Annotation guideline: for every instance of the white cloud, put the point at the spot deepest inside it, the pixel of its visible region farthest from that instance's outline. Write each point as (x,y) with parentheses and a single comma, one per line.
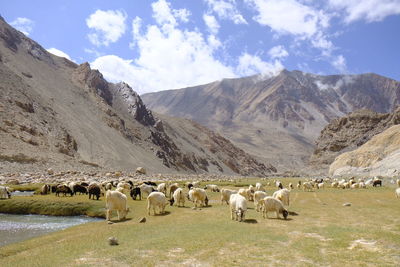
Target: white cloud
(339,63)
(108,26)
(278,52)
(168,57)
(182,14)
(370,11)
(24,25)
(226,9)
(211,23)
(59,53)
(251,64)
(289,17)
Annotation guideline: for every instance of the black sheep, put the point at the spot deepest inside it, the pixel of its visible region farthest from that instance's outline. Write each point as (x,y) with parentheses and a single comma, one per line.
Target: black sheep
(94,190)
(63,189)
(136,192)
(79,188)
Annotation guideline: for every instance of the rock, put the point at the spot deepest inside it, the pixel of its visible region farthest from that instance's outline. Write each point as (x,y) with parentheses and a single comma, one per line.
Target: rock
(347,204)
(143,220)
(141,170)
(13,182)
(113,241)
(50,171)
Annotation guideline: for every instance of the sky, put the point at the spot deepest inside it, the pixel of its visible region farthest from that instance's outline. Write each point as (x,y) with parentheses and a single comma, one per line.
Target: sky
(156,45)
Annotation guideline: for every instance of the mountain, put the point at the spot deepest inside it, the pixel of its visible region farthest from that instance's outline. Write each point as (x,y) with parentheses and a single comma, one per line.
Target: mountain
(55,113)
(350,132)
(378,156)
(277,118)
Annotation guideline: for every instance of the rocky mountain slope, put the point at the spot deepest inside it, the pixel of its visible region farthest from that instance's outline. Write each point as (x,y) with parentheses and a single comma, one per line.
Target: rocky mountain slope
(350,132)
(277,118)
(378,156)
(55,113)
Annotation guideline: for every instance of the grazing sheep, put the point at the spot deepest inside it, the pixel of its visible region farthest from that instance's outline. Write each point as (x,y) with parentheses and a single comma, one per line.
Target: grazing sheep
(354,186)
(79,188)
(226,194)
(63,189)
(307,186)
(212,187)
(291,186)
(397,192)
(259,187)
(335,184)
(279,184)
(45,189)
(198,196)
(172,189)
(321,185)
(178,197)
(71,185)
(116,201)
(4,192)
(298,184)
(283,195)
(162,188)
(377,182)
(398,182)
(238,206)
(145,188)
(156,199)
(124,187)
(258,199)
(272,204)
(94,190)
(108,186)
(136,192)
(362,185)
(246,193)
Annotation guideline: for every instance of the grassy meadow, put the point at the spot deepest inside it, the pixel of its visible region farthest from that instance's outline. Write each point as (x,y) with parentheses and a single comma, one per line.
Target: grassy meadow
(323,233)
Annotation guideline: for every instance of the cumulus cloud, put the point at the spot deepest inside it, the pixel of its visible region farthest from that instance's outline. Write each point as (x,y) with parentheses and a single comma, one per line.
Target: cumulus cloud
(252,64)
(107,26)
(226,9)
(289,17)
(58,52)
(212,23)
(24,25)
(278,51)
(370,11)
(339,63)
(168,57)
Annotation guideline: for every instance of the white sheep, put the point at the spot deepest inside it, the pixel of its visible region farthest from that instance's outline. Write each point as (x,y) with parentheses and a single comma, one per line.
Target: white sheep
(238,206)
(397,192)
(123,187)
(116,201)
(291,186)
(272,204)
(198,196)
(4,192)
(178,197)
(398,182)
(259,187)
(226,194)
(258,199)
(172,188)
(162,188)
(283,195)
(246,193)
(212,187)
(321,185)
(156,199)
(146,188)
(335,184)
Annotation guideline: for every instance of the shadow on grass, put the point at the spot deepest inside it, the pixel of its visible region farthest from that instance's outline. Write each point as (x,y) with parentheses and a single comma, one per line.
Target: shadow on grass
(121,221)
(281,219)
(164,214)
(293,213)
(250,221)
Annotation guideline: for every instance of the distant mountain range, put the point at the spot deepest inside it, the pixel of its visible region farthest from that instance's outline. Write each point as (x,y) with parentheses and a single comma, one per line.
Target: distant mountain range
(279,118)
(55,113)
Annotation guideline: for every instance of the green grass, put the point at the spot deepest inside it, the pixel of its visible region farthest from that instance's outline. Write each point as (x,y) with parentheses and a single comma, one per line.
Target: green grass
(321,234)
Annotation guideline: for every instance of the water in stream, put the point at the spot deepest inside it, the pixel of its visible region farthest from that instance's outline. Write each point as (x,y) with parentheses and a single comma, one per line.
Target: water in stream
(15,228)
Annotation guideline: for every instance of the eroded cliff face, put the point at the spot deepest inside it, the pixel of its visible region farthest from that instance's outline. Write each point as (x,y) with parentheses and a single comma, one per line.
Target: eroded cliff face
(350,132)
(379,156)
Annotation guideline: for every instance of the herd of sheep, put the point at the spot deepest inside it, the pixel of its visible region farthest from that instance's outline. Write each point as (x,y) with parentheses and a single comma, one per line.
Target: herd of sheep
(159,196)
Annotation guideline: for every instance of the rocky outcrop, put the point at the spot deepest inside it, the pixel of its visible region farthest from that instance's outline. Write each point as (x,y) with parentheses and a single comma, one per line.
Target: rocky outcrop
(378,156)
(350,132)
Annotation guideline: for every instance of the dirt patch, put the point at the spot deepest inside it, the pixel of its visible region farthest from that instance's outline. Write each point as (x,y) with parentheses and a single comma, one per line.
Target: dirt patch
(369,245)
(310,235)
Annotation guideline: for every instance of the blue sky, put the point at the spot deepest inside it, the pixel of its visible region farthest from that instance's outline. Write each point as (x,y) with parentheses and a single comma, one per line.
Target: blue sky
(160,44)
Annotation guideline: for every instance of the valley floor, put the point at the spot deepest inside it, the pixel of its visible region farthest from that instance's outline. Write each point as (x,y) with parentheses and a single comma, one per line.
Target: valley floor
(323,233)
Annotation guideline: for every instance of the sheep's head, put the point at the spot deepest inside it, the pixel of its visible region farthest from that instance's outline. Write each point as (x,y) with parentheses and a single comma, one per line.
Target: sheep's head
(285,213)
(240,214)
(171,201)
